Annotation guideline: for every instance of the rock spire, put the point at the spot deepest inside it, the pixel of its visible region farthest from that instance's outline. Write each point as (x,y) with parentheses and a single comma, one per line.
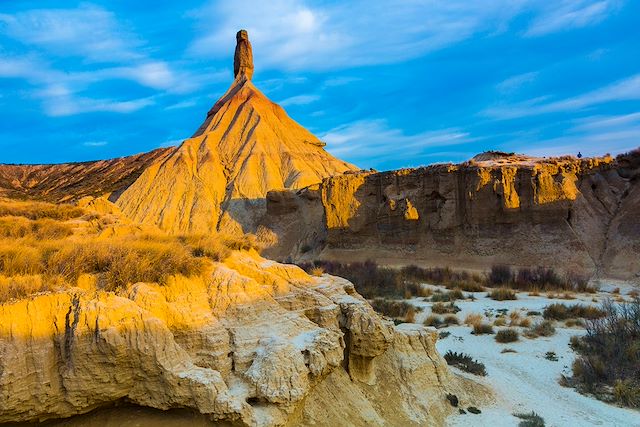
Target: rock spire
(243,58)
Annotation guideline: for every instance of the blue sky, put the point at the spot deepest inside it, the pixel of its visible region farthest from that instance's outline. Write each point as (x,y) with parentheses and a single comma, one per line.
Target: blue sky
(386,84)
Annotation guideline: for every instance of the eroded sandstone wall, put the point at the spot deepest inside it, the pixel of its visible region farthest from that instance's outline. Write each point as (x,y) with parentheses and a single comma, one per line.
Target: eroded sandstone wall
(253,342)
(575,215)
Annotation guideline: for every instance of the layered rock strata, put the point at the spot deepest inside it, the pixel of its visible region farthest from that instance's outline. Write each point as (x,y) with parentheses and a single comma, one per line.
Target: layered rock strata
(576,215)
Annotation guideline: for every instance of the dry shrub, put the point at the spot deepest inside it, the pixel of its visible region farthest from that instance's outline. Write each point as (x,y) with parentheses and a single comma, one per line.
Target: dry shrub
(207,246)
(473,318)
(16,260)
(451,319)
(608,362)
(541,329)
(410,316)
(391,308)
(453,295)
(502,294)
(500,321)
(576,311)
(507,335)
(525,323)
(18,287)
(317,271)
(440,308)
(514,318)
(15,227)
(434,320)
(482,328)
(38,210)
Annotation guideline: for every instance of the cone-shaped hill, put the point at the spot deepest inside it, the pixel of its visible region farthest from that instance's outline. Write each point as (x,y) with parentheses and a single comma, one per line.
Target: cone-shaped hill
(218,179)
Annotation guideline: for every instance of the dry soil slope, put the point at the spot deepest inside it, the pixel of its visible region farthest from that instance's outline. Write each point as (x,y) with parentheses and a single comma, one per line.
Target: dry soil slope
(72,181)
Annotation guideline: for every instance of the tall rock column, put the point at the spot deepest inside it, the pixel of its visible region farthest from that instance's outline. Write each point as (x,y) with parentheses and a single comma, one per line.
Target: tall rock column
(243,58)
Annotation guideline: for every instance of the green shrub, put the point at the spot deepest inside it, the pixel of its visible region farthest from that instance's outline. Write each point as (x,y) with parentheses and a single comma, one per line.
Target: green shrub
(465,362)
(530,420)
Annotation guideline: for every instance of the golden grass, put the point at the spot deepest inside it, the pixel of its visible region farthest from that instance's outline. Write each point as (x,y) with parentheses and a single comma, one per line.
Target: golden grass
(16,227)
(317,271)
(39,210)
(473,318)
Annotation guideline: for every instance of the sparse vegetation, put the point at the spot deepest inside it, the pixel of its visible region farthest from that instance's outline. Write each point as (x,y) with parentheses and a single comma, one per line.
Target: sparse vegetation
(393,308)
(530,419)
(541,329)
(434,320)
(608,362)
(507,335)
(453,295)
(502,294)
(40,210)
(482,328)
(576,311)
(440,308)
(536,279)
(451,319)
(465,362)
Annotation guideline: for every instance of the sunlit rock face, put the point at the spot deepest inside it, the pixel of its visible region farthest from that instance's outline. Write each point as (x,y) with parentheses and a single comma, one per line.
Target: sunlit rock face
(252,341)
(219,178)
(566,213)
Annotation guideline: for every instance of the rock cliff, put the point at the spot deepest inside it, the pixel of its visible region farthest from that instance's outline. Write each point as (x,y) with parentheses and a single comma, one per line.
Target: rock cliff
(252,341)
(576,215)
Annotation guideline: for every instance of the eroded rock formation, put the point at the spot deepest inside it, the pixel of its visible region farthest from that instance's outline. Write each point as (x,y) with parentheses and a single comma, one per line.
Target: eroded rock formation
(253,342)
(218,179)
(576,215)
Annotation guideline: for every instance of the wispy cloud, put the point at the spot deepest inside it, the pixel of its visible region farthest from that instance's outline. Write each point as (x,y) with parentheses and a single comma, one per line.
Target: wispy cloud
(622,90)
(95,143)
(296,34)
(569,14)
(88,31)
(376,141)
(299,100)
(512,84)
(592,135)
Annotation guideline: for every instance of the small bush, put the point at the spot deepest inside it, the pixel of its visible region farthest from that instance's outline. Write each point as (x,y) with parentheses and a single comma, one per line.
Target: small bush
(440,308)
(453,295)
(451,319)
(563,312)
(627,392)
(530,420)
(465,362)
(541,329)
(500,321)
(482,328)
(507,335)
(473,318)
(392,308)
(317,271)
(434,320)
(502,294)
(551,355)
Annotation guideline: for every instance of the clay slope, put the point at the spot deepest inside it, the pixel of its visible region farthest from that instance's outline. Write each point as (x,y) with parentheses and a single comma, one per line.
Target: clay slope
(576,215)
(218,179)
(72,181)
(253,342)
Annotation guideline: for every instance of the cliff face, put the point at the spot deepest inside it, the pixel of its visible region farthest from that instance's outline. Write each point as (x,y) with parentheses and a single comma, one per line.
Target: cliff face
(575,215)
(253,342)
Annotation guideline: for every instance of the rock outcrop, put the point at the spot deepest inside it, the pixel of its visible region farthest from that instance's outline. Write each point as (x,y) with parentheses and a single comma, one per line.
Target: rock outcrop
(575,215)
(219,178)
(252,342)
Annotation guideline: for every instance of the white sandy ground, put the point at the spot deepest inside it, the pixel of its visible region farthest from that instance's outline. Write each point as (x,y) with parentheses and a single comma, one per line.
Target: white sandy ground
(525,381)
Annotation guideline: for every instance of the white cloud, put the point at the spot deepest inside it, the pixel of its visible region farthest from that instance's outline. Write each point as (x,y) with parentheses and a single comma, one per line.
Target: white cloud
(377,142)
(303,34)
(623,90)
(512,84)
(569,14)
(88,31)
(95,143)
(299,100)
